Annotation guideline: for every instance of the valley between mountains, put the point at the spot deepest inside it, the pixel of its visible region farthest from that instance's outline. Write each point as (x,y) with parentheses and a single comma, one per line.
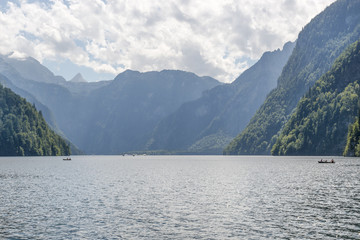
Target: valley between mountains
(302,99)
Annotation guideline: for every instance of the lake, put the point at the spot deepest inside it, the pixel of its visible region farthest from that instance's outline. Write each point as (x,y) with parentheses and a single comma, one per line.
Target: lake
(179,197)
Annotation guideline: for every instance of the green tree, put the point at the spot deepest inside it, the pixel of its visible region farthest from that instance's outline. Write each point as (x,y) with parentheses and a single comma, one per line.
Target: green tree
(23,130)
(318,45)
(320,122)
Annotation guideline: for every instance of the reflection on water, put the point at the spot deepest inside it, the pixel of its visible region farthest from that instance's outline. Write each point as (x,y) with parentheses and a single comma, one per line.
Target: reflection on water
(179,197)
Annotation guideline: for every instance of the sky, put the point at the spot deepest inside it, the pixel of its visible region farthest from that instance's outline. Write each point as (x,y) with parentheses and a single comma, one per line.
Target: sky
(102,38)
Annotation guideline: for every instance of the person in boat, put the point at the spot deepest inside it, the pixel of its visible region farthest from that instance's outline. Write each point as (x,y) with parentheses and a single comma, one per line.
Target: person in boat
(332,161)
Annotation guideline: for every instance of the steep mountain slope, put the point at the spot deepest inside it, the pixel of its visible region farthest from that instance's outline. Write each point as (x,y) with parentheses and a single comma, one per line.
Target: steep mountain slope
(352,147)
(40,93)
(30,68)
(320,123)
(125,112)
(207,125)
(20,71)
(106,117)
(318,45)
(47,114)
(23,130)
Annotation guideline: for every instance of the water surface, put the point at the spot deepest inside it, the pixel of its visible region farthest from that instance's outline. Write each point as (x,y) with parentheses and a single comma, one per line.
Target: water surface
(179,197)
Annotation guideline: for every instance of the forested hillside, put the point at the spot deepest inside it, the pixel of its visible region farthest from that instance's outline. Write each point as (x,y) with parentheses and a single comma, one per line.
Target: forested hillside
(318,45)
(353,139)
(207,124)
(23,130)
(320,123)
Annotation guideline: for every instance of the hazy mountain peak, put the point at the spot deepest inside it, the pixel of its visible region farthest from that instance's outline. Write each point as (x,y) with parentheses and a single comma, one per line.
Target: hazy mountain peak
(126,74)
(32,69)
(78,78)
(162,75)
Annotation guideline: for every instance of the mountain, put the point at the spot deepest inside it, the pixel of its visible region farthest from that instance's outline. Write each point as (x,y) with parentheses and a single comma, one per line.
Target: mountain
(28,89)
(106,117)
(23,70)
(23,130)
(119,117)
(321,120)
(352,147)
(47,114)
(32,69)
(9,72)
(78,78)
(317,47)
(206,125)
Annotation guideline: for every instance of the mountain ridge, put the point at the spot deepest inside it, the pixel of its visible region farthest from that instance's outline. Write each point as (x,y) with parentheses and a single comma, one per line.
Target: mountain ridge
(318,45)
(23,130)
(78,78)
(206,118)
(320,122)
(131,104)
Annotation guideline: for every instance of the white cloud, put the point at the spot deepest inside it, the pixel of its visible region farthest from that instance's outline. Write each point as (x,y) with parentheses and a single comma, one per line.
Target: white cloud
(205,37)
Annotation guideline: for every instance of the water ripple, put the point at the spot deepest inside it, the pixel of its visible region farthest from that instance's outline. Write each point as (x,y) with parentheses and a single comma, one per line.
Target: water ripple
(202,197)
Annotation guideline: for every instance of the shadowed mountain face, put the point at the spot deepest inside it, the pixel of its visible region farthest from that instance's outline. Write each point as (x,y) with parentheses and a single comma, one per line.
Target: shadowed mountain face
(317,47)
(107,117)
(124,113)
(208,124)
(23,130)
(9,72)
(167,110)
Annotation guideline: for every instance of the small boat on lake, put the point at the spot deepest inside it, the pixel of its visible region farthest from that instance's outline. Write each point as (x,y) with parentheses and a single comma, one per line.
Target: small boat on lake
(326,161)
(67,159)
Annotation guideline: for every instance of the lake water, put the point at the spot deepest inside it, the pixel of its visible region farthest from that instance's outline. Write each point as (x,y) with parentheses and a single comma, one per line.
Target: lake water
(179,197)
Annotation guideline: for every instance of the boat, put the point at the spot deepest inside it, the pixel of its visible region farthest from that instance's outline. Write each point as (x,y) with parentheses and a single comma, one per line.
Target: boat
(326,161)
(67,159)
